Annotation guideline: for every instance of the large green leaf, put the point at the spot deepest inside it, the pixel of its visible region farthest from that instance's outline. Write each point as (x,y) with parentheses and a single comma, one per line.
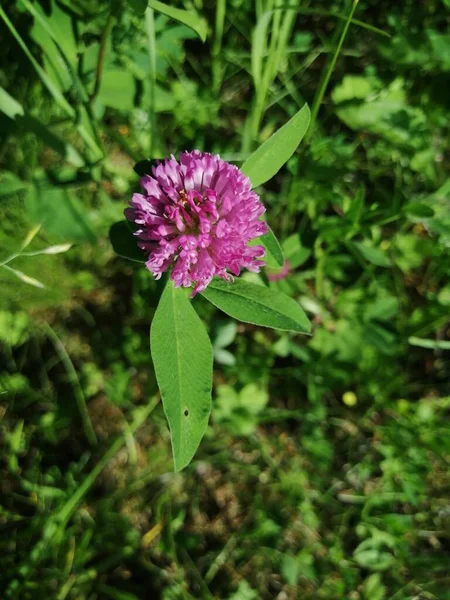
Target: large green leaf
(256,304)
(59,213)
(58,26)
(124,242)
(188,18)
(278,149)
(183,358)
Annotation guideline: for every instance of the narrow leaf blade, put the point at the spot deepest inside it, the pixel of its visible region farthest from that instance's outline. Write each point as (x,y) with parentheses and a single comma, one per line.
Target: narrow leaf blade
(256,304)
(25,278)
(188,18)
(258,47)
(46,80)
(273,247)
(278,149)
(183,358)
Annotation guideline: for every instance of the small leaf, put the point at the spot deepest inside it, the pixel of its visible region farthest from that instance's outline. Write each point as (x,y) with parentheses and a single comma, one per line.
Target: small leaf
(125,243)
(224,357)
(376,256)
(25,278)
(354,212)
(143,167)
(57,249)
(272,245)
(419,210)
(431,344)
(30,236)
(256,304)
(138,6)
(9,106)
(182,356)
(188,18)
(295,253)
(277,150)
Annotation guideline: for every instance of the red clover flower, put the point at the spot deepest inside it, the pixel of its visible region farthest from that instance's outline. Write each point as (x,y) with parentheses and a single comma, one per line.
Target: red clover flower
(197,216)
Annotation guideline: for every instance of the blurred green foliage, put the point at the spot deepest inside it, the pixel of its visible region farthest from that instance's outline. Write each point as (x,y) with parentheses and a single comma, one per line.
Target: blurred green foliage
(324,471)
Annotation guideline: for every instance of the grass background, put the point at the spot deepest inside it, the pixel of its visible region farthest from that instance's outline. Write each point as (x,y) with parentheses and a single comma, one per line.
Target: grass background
(324,472)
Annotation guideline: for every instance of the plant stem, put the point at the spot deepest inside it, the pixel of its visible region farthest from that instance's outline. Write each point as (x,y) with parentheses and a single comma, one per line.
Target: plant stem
(324,84)
(101,53)
(217,46)
(151,45)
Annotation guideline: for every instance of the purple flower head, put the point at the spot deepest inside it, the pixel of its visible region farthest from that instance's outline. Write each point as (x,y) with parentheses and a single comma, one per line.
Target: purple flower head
(198,216)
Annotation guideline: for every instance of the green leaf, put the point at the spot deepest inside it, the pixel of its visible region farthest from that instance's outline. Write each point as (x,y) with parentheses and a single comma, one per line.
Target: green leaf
(138,6)
(9,106)
(183,359)
(295,253)
(419,210)
(272,245)
(256,304)
(59,213)
(143,167)
(376,256)
(188,18)
(356,207)
(58,27)
(431,344)
(125,243)
(278,149)
(11,184)
(117,89)
(23,121)
(25,278)
(374,588)
(46,80)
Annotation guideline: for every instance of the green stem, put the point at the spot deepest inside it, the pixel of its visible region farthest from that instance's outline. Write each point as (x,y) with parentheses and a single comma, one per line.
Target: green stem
(217,46)
(151,45)
(101,53)
(324,84)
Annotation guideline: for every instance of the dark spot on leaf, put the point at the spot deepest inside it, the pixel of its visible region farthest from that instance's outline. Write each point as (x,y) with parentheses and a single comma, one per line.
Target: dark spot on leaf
(186,412)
